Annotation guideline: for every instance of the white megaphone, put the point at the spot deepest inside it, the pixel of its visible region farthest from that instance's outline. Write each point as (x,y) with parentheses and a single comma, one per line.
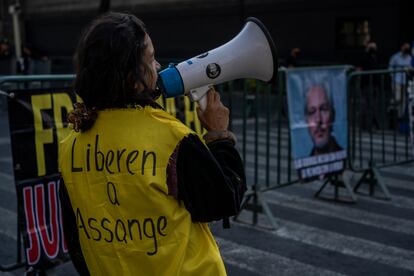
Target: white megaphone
(251,54)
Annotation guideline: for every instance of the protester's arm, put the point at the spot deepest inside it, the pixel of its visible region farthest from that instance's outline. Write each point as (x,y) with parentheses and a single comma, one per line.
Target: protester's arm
(210,181)
(70,231)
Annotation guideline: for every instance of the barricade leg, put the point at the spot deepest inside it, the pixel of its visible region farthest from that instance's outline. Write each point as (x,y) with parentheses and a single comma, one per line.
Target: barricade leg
(337,183)
(255,203)
(373,178)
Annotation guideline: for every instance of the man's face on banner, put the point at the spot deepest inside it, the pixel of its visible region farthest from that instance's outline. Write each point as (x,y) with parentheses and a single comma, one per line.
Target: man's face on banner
(319,116)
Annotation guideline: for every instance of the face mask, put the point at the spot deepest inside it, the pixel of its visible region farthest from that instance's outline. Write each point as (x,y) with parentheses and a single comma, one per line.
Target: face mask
(406,51)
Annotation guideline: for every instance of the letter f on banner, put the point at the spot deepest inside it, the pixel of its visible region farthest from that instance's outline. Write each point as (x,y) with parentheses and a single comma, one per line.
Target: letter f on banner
(42,136)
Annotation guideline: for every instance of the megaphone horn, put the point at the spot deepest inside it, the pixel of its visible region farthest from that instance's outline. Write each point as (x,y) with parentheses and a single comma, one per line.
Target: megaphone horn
(251,54)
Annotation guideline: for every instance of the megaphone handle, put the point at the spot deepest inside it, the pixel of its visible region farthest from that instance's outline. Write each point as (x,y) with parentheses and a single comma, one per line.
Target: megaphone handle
(203,102)
(199,95)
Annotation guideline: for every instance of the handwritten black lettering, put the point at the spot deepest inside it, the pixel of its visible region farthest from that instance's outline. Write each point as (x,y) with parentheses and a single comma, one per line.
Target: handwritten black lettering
(90,220)
(108,161)
(82,225)
(107,229)
(131,158)
(99,156)
(111,192)
(150,233)
(144,159)
(164,225)
(79,169)
(118,158)
(120,230)
(131,223)
(120,222)
(88,157)
(105,159)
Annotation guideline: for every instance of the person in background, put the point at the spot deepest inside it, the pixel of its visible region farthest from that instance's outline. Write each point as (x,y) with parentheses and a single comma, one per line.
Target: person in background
(400,60)
(138,186)
(6,59)
(370,84)
(412,54)
(33,60)
(369,60)
(292,60)
(5,50)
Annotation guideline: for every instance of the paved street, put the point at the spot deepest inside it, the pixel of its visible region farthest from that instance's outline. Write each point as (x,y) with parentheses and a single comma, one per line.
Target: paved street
(314,236)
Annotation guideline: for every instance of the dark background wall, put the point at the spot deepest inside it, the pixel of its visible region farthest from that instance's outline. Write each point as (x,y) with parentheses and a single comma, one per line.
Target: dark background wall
(180,30)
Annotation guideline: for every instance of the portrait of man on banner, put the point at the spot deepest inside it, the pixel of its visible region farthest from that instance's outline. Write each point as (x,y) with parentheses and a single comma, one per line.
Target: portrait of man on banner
(317,114)
(320,116)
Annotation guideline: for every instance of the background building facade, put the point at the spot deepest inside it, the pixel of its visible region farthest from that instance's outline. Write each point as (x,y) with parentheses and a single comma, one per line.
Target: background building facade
(328,32)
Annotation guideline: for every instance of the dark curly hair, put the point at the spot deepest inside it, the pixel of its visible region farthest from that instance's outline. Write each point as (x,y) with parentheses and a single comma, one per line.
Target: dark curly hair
(109,67)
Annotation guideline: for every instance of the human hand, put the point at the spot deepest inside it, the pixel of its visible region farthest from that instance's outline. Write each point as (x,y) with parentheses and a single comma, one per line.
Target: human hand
(215,117)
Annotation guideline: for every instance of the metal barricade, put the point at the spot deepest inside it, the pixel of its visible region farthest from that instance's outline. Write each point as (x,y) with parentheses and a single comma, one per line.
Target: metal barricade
(377,129)
(259,119)
(378,123)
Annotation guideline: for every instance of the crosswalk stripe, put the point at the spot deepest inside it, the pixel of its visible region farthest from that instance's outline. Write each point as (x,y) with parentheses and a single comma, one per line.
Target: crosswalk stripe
(6,159)
(7,183)
(4,140)
(6,176)
(252,259)
(336,211)
(397,200)
(6,274)
(347,245)
(407,170)
(8,222)
(389,181)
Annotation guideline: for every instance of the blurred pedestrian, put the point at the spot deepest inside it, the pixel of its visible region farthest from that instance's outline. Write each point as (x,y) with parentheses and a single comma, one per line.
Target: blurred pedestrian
(369,60)
(6,67)
(370,88)
(412,54)
(5,50)
(400,60)
(292,60)
(33,60)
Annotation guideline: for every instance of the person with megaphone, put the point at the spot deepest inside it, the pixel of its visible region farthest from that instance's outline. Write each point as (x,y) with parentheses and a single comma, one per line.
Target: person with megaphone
(139,187)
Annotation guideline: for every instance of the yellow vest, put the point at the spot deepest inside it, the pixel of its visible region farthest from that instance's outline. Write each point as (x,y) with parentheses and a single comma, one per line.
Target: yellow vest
(116,177)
